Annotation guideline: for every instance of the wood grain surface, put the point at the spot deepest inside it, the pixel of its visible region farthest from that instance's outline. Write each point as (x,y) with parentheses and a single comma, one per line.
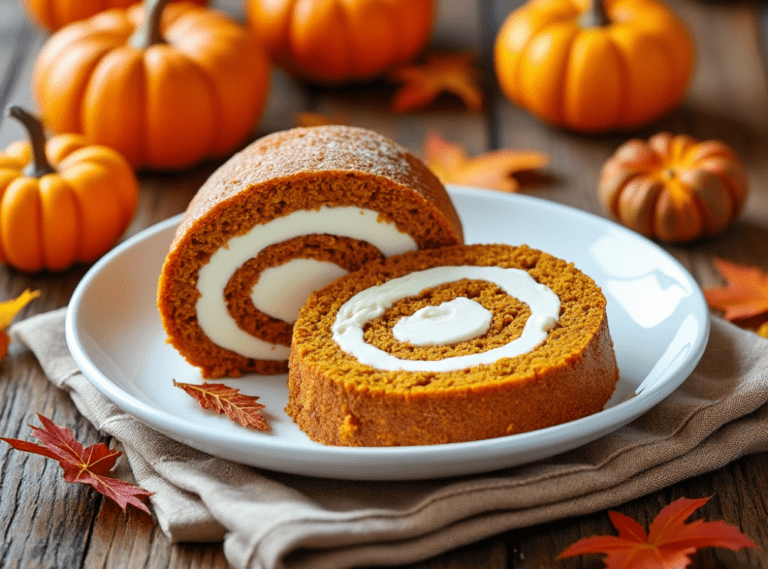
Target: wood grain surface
(48,523)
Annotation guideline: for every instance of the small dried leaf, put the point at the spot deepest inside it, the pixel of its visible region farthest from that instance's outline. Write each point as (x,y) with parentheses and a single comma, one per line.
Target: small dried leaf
(82,465)
(441,73)
(668,543)
(493,170)
(229,401)
(744,296)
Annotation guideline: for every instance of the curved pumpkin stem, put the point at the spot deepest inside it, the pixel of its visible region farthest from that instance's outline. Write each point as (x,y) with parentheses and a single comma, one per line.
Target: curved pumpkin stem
(148,33)
(40,166)
(595,15)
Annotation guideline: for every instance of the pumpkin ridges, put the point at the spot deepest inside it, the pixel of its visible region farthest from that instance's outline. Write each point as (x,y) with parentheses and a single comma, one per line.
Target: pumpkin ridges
(119,76)
(319,39)
(373,24)
(543,96)
(411,28)
(594,72)
(636,204)
(20,224)
(66,82)
(59,240)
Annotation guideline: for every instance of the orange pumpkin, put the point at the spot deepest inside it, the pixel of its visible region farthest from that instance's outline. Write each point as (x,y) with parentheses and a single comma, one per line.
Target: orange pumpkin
(331,41)
(62,202)
(164,93)
(674,188)
(55,14)
(594,65)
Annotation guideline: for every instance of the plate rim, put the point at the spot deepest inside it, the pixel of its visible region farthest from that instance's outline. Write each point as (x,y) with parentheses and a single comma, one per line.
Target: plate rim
(183,431)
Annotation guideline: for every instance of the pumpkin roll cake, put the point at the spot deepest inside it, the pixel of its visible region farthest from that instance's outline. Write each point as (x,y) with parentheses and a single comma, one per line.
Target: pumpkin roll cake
(284,217)
(455,344)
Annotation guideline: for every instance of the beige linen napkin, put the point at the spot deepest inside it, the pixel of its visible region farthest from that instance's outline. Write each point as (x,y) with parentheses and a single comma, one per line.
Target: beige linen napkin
(272,520)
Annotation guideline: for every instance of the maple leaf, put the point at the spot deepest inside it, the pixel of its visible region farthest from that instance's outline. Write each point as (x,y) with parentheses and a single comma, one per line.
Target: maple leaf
(494,170)
(218,397)
(441,73)
(8,311)
(81,465)
(668,543)
(744,296)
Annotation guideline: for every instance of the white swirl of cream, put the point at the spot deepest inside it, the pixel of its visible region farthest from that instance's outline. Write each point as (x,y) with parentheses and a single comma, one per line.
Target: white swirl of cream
(346,221)
(372,302)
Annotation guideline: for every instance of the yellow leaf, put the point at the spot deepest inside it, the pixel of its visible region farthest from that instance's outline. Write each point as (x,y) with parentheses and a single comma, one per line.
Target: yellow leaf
(10,308)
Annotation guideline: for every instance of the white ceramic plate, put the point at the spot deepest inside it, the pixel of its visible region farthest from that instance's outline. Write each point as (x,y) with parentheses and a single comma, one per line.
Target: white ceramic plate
(657,316)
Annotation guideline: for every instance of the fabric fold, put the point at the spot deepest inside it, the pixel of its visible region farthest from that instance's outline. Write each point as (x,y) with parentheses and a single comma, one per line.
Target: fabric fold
(270,520)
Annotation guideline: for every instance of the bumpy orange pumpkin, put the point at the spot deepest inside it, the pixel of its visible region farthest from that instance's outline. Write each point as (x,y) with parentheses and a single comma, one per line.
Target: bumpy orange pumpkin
(674,188)
(62,202)
(332,41)
(165,94)
(594,65)
(55,14)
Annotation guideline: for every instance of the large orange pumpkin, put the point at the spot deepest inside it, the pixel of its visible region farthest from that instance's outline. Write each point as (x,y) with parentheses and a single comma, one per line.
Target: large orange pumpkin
(674,188)
(331,41)
(62,202)
(55,14)
(594,65)
(165,94)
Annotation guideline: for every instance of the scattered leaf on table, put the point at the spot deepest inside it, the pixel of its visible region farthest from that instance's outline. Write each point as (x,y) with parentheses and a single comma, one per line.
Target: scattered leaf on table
(89,465)
(745,294)
(441,73)
(493,170)
(229,401)
(8,311)
(668,543)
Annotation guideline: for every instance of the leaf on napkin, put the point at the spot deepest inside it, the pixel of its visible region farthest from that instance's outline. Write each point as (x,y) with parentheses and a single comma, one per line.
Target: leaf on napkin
(8,311)
(494,170)
(745,294)
(667,545)
(89,465)
(229,401)
(441,73)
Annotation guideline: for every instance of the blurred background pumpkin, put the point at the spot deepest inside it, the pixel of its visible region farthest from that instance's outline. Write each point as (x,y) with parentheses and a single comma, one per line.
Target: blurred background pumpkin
(334,41)
(594,65)
(55,14)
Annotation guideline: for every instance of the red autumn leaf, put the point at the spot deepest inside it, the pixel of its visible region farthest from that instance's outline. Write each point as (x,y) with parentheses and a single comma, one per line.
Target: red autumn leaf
(745,294)
(495,170)
(229,401)
(8,311)
(89,465)
(441,73)
(668,543)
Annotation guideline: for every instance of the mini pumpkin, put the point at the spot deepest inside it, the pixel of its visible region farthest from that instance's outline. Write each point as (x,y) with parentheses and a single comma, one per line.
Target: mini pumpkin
(61,202)
(674,188)
(55,14)
(165,94)
(594,65)
(332,41)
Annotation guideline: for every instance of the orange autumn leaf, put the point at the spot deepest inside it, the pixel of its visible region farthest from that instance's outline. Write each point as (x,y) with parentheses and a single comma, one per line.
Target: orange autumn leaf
(493,170)
(744,296)
(668,543)
(81,465)
(229,401)
(441,73)
(8,311)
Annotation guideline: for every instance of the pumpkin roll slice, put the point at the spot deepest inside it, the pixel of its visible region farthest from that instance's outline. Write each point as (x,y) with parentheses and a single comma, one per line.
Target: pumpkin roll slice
(284,217)
(462,343)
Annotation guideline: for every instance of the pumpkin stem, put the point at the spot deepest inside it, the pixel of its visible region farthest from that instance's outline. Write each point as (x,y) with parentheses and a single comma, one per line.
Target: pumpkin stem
(148,33)
(595,15)
(40,166)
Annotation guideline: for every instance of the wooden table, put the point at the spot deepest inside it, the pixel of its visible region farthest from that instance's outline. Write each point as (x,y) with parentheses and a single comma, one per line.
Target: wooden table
(48,523)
